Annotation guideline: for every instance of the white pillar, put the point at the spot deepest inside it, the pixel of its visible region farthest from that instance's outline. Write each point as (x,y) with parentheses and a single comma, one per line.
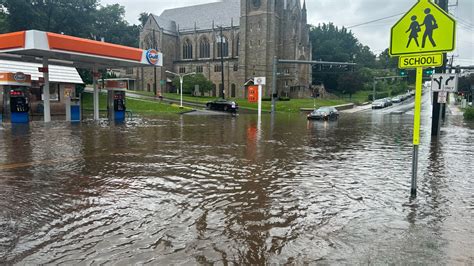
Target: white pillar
(260,94)
(96,93)
(46,105)
(68,108)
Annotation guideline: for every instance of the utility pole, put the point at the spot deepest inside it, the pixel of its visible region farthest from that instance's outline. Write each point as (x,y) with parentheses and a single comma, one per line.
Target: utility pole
(436,112)
(274,84)
(154,67)
(222,94)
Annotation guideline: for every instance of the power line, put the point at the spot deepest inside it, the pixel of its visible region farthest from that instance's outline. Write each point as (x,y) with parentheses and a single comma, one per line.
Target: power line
(372,21)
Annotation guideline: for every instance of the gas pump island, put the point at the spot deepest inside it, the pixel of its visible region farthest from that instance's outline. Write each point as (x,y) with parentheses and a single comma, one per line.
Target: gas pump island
(14,93)
(116,100)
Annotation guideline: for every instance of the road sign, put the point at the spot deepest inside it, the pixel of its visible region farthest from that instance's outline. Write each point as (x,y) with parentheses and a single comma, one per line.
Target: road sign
(425,28)
(260,80)
(442,96)
(252,94)
(414,61)
(444,82)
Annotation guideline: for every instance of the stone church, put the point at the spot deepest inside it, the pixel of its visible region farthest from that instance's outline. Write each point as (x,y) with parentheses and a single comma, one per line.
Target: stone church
(253,33)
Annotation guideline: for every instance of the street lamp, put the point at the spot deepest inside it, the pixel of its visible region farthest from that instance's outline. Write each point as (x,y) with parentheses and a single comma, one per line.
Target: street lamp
(181,76)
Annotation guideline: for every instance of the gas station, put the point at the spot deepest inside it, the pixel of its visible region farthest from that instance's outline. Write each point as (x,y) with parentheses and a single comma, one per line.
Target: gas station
(50,48)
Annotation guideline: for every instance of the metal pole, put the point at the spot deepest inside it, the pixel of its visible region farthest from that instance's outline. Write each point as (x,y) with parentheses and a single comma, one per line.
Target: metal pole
(436,117)
(373,93)
(260,101)
(181,90)
(222,64)
(274,84)
(414,171)
(96,93)
(154,67)
(416,129)
(46,102)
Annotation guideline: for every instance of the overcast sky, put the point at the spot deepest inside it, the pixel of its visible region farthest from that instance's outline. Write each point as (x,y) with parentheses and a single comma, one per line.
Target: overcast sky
(345,13)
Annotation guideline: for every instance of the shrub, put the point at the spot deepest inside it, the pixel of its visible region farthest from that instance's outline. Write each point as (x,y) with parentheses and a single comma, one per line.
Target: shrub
(469,113)
(379,95)
(284,99)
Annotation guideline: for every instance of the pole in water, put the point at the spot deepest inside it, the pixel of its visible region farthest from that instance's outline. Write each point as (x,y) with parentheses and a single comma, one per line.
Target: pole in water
(414,171)
(416,129)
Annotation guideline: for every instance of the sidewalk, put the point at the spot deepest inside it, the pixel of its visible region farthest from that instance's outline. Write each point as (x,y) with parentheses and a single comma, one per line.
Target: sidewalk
(454,109)
(358,108)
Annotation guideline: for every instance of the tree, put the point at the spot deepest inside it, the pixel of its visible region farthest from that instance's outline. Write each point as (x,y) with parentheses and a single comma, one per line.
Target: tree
(143,18)
(189,83)
(72,17)
(465,83)
(112,26)
(350,83)
(80,18)
(386,61)
(334,44)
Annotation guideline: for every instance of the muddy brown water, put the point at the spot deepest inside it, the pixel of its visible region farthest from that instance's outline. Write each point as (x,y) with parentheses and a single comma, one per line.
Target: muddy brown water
(222,189)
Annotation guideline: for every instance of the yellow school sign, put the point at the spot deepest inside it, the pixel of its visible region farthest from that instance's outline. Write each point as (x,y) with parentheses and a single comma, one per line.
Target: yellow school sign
(425,28)
(419,38)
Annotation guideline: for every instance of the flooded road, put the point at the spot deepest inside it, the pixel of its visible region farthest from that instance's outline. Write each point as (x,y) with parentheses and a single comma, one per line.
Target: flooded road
(221,189)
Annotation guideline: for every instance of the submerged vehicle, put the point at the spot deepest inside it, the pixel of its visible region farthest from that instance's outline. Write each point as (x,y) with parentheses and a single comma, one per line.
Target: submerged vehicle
(324,113)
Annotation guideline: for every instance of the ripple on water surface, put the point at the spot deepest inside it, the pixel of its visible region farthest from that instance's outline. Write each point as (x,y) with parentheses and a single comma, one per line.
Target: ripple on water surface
(222,189)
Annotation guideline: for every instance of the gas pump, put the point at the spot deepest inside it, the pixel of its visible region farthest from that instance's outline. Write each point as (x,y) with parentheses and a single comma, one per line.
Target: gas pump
(73,104)
(116,103)
(15,102)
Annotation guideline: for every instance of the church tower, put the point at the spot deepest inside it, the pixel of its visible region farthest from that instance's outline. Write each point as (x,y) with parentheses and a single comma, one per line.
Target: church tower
(259,37)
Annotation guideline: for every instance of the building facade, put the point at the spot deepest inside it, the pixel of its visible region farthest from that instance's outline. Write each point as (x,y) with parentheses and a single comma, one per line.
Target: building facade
(248,34)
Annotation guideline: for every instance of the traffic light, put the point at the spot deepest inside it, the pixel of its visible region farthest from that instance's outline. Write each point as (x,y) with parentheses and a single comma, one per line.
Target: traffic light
(429,71)
(403,73)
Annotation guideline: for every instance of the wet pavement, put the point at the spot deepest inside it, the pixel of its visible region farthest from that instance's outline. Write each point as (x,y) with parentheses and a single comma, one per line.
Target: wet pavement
(222,189)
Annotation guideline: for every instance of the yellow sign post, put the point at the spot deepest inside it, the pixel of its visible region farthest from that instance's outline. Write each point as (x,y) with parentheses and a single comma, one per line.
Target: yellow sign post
(418,38)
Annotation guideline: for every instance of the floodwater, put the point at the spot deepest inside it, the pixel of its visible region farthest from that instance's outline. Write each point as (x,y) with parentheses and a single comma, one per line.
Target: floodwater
(222,189)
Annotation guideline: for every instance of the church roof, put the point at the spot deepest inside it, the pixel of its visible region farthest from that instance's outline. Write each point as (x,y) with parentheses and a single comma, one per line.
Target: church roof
(221,13)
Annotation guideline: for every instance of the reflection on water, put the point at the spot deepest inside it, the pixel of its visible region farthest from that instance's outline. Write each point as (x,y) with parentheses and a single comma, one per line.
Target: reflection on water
(221,189)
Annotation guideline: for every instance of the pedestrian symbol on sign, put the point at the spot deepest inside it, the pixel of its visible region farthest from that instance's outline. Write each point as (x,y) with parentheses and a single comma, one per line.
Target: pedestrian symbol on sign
(428,21)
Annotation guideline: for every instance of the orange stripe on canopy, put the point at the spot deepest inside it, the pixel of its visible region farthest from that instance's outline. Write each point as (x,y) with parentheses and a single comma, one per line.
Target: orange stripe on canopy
(84,46)
(12,40)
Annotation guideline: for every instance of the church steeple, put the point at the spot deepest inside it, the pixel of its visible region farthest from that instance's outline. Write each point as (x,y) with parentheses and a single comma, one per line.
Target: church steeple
(304,15)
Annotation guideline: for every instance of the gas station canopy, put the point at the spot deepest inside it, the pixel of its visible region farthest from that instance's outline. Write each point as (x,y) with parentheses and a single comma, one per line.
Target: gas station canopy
(51,48)
(33,46)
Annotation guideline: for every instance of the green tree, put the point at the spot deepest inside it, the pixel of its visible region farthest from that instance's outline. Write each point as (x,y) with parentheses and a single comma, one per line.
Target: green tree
(350,82)
(189,83)
(3,18)
(143,18)
(386,61)
(111,25)
(331,43)
(465,83)
(72,17)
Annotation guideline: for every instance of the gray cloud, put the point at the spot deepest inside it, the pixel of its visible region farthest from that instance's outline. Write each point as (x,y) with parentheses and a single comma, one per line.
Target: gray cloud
(344,13)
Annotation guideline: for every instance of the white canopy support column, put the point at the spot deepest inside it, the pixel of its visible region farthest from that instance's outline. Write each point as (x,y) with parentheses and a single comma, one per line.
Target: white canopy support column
(95,70)
(46,103)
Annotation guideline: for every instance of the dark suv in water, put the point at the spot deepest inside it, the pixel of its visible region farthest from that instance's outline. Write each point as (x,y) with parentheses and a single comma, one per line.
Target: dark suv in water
(223,105)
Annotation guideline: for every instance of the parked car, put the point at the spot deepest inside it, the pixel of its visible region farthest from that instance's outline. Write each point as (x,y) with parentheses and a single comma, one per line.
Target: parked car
(324,113)
(380,103)
(397,99)
(223,105)
(388,101)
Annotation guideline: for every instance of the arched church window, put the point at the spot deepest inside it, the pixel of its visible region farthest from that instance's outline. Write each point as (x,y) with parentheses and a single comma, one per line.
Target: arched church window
(187,49)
